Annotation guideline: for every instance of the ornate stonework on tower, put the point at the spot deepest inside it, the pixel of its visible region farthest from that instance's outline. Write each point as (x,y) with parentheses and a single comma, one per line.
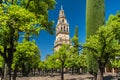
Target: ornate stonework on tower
(62,31)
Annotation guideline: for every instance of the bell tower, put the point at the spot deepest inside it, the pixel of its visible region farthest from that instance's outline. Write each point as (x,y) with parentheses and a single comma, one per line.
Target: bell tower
(62,31)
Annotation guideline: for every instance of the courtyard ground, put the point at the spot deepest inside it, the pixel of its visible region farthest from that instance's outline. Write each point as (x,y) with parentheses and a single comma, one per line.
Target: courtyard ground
(108,76)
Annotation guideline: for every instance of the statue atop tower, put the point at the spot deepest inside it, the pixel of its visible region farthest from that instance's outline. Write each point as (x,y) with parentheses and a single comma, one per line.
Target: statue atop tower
(62,31)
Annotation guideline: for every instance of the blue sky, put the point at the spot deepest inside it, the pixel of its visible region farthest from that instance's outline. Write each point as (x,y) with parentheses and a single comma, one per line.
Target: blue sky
(75,14)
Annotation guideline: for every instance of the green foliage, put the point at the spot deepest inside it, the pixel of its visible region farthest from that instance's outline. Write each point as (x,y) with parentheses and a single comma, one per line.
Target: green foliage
(75,41)
(22,19)
(76,31)
(26,52)
(82,61)
(114,23)
(95,15)
(61,54)
(30,20)
(73,54)
(104,45)
(76,61)
(52,62)
(57,59)
(40,9)
(72,60)
(92,65)
(76,44)
(13,22)
(29,17)
(1,62)
(115,63)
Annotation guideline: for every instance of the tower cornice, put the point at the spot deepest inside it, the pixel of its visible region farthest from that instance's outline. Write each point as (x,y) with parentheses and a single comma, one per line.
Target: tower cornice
(62,33)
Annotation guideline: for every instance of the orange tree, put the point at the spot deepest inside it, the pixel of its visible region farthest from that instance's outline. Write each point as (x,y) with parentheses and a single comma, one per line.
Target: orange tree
(102,47)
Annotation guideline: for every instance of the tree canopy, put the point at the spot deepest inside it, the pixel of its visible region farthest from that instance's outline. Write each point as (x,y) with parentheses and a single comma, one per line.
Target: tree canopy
(95,16)
(104,45)
(26,16)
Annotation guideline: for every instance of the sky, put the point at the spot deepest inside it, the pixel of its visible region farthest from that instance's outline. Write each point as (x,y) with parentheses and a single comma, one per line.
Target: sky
(75,11)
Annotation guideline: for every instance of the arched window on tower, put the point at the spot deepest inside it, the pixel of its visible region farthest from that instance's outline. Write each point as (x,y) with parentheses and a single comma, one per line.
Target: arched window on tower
(67,29)
(64,28)
(63,20)
(61,28)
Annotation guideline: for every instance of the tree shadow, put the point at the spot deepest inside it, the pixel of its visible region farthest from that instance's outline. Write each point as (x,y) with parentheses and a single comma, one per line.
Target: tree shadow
(108,77)
(75,79)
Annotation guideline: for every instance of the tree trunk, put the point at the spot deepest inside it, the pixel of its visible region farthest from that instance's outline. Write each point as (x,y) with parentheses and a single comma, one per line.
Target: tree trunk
(10,51)
(95,78)
(9,71)
(113,70)
(5,72)
(15,75)
(100,75)
(39,70)
(15,72)
(72,71)
(2,70)
(105,69)
(34,71)
(100,72)
(62,72)
(78,70)
(23,69)
(52,72)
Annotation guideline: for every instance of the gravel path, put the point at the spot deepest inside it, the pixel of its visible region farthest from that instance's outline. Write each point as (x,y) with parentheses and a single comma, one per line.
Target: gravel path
(68,77)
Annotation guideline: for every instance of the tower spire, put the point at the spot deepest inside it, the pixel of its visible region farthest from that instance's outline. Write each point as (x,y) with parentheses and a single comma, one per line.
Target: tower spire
(61,14)
(61,7)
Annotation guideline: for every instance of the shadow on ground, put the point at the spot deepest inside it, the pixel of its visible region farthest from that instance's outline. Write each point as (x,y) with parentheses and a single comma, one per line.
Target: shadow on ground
(109,77)
(75,79)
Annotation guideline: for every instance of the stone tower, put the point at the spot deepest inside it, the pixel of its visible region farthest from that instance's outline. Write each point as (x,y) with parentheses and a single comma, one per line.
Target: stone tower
(62,31)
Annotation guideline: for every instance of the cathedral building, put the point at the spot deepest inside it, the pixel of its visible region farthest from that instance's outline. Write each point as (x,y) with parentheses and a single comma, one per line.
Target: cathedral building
(62,31)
